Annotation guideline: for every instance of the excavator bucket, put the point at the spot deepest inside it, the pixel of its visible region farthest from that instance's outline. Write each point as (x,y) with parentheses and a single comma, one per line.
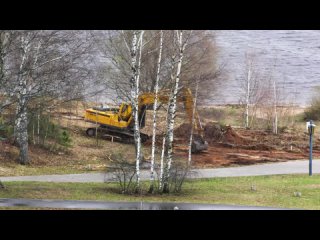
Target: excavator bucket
(198,144)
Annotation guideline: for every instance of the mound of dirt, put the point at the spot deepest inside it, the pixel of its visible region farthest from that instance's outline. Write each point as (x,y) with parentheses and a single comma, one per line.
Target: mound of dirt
(231,136)
(213,132)
(183,131)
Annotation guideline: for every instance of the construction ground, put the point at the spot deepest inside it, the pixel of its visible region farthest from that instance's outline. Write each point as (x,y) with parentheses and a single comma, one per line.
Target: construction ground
(229,145)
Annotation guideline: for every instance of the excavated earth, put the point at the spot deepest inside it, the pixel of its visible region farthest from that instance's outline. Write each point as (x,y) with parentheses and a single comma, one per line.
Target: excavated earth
(231,147)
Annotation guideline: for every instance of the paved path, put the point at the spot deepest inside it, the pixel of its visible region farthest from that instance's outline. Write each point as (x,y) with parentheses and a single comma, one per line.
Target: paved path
(291,167)
(71,204)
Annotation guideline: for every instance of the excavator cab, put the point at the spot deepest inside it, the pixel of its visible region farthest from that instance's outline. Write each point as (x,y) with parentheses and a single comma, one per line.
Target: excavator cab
(125,112)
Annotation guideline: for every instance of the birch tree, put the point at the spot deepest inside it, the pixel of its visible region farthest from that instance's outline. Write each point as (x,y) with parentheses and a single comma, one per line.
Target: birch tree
(41,64)
(21,122)
(276,96)
(155,106)
(161,162)
(181,44)
(274,93)
(275,103)
(250,85)
(192,123)
(135,66)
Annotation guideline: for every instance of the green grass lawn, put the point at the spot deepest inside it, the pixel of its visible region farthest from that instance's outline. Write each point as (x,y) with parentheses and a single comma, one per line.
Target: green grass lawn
(273,191)
(26,170)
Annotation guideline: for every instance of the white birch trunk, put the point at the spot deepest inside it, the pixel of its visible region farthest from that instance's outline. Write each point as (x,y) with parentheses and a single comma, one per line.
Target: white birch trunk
(161,163)
(162,157)
(96,128)
(171,117)
(248,95)
(192,125)
(134,97)
(46,134)
(155,105)
(21,125)
(21,122)
(38,127)
(33,137)
(275,114)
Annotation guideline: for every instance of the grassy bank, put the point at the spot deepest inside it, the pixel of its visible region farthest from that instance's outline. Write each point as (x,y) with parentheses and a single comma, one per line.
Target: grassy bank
(273,191)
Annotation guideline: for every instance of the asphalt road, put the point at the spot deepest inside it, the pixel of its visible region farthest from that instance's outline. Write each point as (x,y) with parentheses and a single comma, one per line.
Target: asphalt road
(291,167)
(71,204)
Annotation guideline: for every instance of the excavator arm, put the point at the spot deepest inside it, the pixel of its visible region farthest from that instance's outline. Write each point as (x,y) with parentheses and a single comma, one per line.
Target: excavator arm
(185,96)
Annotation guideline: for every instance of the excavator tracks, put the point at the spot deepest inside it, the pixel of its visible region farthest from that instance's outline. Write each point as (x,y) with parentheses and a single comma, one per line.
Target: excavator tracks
(123,136)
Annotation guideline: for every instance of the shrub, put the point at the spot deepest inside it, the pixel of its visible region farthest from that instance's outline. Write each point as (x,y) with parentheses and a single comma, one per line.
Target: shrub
(124,172)
(178,174)
(2,129)
(64,139)
(6,130)
(313,112)
(47,130)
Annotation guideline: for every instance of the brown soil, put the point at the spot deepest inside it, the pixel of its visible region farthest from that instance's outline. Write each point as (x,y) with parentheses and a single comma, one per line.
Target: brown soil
(229,147)
(183,131)
(213,133)
(231,136)
(218,155)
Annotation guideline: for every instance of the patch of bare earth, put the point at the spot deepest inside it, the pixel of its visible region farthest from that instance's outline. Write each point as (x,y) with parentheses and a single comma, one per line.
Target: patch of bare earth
(229,147)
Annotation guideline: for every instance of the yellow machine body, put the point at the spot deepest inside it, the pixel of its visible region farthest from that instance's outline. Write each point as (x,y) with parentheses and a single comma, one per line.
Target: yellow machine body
(119,119)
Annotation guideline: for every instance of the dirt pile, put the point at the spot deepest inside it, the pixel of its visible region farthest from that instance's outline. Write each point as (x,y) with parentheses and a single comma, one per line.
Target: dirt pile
(213,132)
(183,131)
(231,136)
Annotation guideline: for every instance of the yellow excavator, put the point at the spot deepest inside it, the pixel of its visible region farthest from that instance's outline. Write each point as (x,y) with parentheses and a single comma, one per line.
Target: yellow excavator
(118,123)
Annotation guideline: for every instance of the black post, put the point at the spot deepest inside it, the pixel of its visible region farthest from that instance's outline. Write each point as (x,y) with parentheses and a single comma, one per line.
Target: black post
(310,150)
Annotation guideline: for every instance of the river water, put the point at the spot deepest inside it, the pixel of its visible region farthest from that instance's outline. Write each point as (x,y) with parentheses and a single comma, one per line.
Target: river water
(293,54)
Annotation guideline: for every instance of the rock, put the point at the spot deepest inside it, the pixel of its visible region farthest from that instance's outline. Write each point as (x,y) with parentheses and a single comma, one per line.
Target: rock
(297,194)
(88,167)
(253,188)
(95,167)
